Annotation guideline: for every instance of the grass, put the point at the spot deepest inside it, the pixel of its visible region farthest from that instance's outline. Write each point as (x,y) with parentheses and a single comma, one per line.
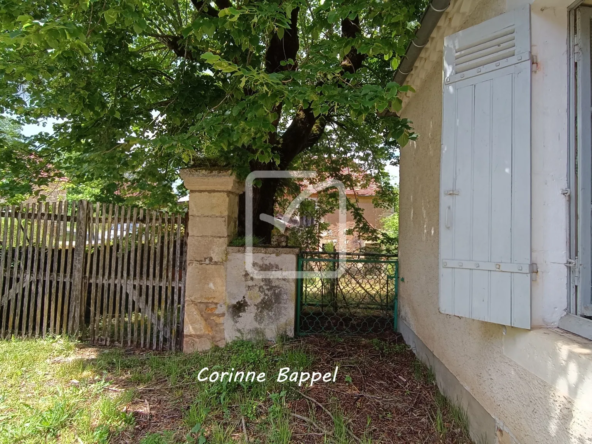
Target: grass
(57,390)
(45,396)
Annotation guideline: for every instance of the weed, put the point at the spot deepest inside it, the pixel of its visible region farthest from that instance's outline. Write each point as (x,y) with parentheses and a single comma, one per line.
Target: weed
(241,241)
(280,431)
(196,414)
(439,423)
(340,431)
(166,437)
(423,373)
(456,417)
(54,419)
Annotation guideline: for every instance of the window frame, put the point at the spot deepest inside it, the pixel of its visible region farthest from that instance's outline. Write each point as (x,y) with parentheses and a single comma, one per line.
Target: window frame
(579,262)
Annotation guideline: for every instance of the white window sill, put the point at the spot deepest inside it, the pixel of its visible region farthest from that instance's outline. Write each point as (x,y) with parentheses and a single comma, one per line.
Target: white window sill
(561,359)
(577,325)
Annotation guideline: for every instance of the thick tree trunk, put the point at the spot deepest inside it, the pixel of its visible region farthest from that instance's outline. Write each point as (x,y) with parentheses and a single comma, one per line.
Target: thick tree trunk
(263,203)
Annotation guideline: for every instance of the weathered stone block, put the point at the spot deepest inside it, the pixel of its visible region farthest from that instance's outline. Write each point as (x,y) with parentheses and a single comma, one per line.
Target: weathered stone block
(192,344)
(210,203)
(205,283)
(206,249)
(204,325)
(195,323)
(216,226)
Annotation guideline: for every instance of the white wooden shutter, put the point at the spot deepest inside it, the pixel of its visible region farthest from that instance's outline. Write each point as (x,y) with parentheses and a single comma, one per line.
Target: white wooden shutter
(485,251)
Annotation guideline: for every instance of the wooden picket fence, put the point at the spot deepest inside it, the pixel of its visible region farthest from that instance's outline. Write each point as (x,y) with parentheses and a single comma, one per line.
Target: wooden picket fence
(114,275)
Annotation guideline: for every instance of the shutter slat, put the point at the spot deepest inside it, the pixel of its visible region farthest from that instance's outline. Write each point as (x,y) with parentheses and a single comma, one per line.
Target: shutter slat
(463,212)
(481,199)
(486,59)
(461,55)
(447,207)
(521,218)
(501,197)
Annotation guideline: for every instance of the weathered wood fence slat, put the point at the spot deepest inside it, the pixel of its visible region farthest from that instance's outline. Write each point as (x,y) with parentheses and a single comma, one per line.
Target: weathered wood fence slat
(114,275)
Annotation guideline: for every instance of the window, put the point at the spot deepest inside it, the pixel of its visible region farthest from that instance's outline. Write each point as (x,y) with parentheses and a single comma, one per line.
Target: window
(580,189)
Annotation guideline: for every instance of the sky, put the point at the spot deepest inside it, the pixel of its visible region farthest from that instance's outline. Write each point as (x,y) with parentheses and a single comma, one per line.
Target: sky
(30,130)
(394,172)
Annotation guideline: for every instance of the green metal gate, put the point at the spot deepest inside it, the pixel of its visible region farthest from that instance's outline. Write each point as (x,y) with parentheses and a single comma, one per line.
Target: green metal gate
(363,299)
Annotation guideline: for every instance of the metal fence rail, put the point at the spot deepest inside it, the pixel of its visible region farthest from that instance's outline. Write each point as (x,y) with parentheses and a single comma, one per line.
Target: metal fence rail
(362,300)
(113,274)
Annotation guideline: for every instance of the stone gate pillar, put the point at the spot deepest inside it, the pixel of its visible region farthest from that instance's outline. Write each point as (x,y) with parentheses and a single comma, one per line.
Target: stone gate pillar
(213,215)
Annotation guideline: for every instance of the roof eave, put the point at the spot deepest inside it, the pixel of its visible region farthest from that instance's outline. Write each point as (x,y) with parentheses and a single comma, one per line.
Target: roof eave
(428,23)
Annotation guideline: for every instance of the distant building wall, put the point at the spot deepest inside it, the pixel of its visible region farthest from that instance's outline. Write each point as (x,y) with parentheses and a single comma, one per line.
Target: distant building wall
(372,214)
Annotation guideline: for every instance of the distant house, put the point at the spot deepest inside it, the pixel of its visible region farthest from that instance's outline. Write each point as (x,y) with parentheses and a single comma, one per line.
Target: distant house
(53,192)
(372,214)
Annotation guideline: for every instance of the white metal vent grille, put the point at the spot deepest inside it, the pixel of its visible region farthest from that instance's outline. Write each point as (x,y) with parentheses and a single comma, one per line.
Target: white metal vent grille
(493,48)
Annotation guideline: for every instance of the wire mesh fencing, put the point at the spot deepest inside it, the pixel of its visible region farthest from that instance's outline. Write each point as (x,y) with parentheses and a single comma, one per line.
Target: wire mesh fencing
(363,299)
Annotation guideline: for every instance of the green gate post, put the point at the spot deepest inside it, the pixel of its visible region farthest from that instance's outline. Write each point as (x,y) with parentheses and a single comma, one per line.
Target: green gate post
(396,314)
(298,296)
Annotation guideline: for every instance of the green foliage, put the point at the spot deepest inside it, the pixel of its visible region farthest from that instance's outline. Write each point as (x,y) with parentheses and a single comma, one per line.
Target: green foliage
(19,164)
(143,88)
(241,241)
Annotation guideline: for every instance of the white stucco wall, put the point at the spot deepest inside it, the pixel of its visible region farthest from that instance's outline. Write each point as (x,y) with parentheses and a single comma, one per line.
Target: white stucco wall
(259,308)
(536,384)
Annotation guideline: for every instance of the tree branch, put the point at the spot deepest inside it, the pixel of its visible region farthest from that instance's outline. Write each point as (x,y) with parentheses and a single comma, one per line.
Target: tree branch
(173,42)
(202,6)
(353,60)
(295,138)
(280,50)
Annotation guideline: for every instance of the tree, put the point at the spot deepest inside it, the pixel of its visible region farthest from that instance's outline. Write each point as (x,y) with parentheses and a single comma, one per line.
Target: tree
(143,88)
(390,228)
(18,163)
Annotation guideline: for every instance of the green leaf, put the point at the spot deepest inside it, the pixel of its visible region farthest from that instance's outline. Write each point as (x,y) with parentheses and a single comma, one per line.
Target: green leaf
(24,18)
(111,16)
(332,17)
(199,93)
(403,139)
(210,58)
(396,105)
